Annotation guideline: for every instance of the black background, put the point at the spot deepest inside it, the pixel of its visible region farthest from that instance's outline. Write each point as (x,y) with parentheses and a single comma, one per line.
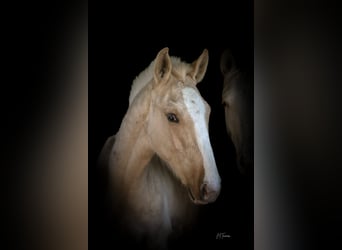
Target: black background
(122,42)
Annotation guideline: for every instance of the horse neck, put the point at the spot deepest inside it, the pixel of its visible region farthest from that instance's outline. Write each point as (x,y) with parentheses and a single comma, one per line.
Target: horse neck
(131,151)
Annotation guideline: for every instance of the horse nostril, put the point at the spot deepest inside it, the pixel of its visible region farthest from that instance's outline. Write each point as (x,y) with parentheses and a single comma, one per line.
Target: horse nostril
(208,194)
(204,191)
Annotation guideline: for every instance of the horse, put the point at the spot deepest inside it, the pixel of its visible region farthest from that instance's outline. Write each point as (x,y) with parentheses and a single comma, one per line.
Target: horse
(161,162)
(237,98)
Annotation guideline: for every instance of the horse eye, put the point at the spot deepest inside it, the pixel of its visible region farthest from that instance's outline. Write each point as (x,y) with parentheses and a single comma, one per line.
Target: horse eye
(225,105)
(172,117)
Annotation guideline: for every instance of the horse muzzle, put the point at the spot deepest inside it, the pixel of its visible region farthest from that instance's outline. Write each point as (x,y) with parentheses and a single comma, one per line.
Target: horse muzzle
(207,194)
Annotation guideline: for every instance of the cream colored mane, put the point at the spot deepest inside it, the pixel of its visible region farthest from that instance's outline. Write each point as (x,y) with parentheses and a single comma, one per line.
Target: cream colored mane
(145,77)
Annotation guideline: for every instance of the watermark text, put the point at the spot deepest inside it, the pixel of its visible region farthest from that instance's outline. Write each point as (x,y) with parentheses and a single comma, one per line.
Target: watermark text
(222,235)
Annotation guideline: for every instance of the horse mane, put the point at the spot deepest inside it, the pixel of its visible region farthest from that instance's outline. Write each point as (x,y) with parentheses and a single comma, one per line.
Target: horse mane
(179,67)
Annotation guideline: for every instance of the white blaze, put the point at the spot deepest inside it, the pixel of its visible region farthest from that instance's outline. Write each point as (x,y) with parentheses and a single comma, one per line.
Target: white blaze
(196,108)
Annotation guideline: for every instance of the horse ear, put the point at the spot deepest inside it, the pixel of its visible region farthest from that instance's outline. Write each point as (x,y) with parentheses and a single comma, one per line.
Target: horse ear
(200,66)
(162,66)
(227,63)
